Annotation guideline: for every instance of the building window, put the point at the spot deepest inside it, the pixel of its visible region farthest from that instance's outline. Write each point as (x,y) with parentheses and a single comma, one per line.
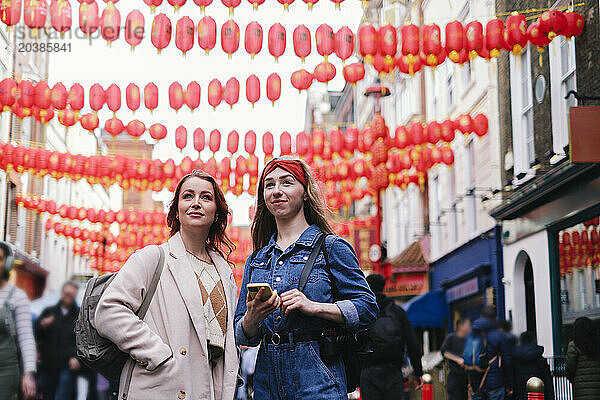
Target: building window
(562,81)
(522,113)
(469,201)
(449,85)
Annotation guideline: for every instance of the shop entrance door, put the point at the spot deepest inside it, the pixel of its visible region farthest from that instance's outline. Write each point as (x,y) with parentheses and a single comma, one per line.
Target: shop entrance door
(529,297)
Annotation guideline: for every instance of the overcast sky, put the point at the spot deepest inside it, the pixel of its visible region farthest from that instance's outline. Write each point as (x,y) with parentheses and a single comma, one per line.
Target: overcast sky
(98,63)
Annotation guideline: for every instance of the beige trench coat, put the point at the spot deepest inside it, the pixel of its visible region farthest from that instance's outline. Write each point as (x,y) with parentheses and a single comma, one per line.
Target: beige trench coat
(174,326)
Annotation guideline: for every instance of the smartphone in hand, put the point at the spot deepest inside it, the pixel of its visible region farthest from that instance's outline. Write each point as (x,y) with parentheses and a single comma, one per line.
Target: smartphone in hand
(253,289)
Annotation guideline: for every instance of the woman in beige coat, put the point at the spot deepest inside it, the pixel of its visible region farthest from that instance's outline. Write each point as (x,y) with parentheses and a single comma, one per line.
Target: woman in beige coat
(185,346)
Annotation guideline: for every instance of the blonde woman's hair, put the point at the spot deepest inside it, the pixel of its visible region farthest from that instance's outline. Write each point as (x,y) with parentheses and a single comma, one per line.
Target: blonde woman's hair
(315,210)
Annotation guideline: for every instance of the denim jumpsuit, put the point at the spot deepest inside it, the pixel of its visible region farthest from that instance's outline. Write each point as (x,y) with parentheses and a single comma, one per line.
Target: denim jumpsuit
(295,371)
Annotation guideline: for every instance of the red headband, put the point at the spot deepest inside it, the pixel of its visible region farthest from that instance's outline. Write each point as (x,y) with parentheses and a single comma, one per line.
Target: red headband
(292,166)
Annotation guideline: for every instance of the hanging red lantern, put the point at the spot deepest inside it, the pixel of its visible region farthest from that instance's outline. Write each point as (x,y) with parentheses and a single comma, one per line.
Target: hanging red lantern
(515,33)
(232,92)
(351,139)
(59,96)
(302,45)
(552,23)
(318,142)
(67,117)
(480,125)
(114,126)
(301,79)
(432,45)
(410,45)
(367,42)
(380,65)
(252,89)
(110,23)
(184,34)
(35,14)
(388,43)
(285,143)
(286,4)
(60,15)
(415,134)
(277,41)
(176,96)
(10,12)
(89,122)
(324,72)
(448,131)
(26,94)
(250,142)
(151,96)
(465,123)
(42,93)
(207,34)
(256,3)
(233,141)
(132,97)
(199,140)
(494,37)
(134,28)
(455,40)
(447,155)
(537,38)
(344,43)
(354,72)
(253,38)
(378,126)
(273,87)
(433,132)
(231,4)
(230,37)
(474,35)
(401,140)
(215,93)
(153,4)
(406,67)
(203,4)
(161,32)
(214,141)
(268,144)
(435,60)
(43,115)
(191,96)
(180,137)
(303,145)
(177,4)
(575,24)
(113,98)
(325,40)
(135,128)
(75,98)
(336,141)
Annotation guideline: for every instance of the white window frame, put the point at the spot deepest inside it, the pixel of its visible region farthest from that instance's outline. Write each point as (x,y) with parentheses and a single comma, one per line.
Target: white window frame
(558,91)
(469,201)
(523,137)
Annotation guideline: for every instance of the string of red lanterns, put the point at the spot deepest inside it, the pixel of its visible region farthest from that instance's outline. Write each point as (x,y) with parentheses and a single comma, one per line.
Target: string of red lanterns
(579,249)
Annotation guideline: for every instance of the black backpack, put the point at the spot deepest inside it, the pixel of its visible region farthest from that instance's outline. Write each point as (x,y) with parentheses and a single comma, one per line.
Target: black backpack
(386,337)
(97,352)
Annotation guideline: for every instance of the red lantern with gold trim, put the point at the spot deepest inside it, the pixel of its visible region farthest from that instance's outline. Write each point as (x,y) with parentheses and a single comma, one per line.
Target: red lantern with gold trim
(202,4)
(60,15)
(26,94)
(354,72)
(110,23)
(285,143)
(230,37)
(455,40)
(89,122)
(253,39)
(351,139)
(252,89)
(303,144)
(432,45)
(232,92)
(42,93)
(367,42)
(575,24)
(176,96)
(268,144)
(324,72)
(67,117)
(256,3)
(191,96)
(177,4)
(113,98)
(325,40)
(199,140)
(184,34)
(537,38)
(344,43)
(215,93)
(302,42)
(161,32)
(480,125)
(214,141)
(448,131)
(135,128)
(465,124)
(180,137)
(474,35)
(59,96)
(336,140)
(404,64)
(233,141)
(388,43)
(416,135)
(273,87)
(207,34)
(410,44)
(153,4)
(276,40)
(132,97)
(552,23)
(318,142)
(301,79)
(134,28)
(515,33)
(231,4)
(433,132)
(447,155)
(494,37)
(35,14)
(250,142)
(151,96)
(114,126)
(75,98)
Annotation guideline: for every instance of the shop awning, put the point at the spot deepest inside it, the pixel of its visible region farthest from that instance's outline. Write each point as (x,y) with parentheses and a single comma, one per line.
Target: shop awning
(428,310)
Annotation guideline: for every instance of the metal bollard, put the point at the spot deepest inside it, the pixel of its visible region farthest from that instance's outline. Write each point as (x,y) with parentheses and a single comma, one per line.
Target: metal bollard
(535,389)
(427,393)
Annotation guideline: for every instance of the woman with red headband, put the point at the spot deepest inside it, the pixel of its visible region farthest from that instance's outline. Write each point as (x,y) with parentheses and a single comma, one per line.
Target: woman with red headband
(294,360)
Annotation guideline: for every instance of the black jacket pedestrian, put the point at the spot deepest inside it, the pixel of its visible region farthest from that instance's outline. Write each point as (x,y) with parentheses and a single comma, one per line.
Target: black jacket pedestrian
(500,371)
(57,341)
(529,362)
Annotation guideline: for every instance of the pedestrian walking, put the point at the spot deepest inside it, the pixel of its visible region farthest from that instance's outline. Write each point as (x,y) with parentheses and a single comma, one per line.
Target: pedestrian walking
(528,361)
(391,337)
(298,358)
(55,335)
(583,360)
(185,347)
(453,349)
(16,336)
(491,377)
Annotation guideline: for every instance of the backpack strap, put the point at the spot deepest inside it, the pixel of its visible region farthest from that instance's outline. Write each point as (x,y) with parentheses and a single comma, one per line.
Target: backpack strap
(141,312)
(308,267)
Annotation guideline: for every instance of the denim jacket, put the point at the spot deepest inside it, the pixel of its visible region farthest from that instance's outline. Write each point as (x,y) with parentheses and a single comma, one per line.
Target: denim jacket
(282,269)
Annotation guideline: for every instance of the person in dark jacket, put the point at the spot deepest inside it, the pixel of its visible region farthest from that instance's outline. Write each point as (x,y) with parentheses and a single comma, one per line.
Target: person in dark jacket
(583,360)
(452,350)
(498,380)
(528,361)
(382,379)
(55,333)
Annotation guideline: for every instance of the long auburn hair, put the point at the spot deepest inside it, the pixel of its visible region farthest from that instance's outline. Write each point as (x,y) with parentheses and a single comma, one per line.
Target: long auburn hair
(217,240)
(315,210)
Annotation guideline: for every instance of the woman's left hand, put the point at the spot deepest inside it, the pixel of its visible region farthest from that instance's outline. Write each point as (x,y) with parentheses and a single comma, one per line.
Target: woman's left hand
(296,300)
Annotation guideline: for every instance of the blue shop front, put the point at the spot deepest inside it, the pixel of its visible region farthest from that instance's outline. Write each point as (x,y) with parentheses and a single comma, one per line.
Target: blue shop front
(470,277)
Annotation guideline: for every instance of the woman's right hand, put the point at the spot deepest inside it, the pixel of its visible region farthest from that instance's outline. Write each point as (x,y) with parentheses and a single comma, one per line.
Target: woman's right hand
(257,310)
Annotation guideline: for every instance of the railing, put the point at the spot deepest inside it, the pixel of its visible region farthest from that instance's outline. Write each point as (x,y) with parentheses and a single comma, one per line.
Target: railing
(562,386)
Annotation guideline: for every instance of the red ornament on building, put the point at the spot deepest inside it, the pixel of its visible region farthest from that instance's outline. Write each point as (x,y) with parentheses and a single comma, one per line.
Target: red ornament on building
(302,45)
(232,92)
(367,42)
(207,34)
(161,32)
(181,137)
(158,131)
(59,96)
(114,126)
(268,144)
(480,125)
(113,98)
(231,4)
(233,141)
(184,34)
(75,98)
(432,45)
(325,40)
(324,72)
(252,89)
(552,23)
(354,72)
(494,37)
(35,14)
(474,35)
(250,142)
(110,23)
(253,39)
(455,40)
(176,96)
(215,93)
(134,28)
(515,33)
(301,79)
(277,40)
(135,128)
(575,24)
(388,43)
(151,96)
(344,43)
(214,141)
(199,140)
(273,87)
(230,37)
(60,15)
(191,95)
